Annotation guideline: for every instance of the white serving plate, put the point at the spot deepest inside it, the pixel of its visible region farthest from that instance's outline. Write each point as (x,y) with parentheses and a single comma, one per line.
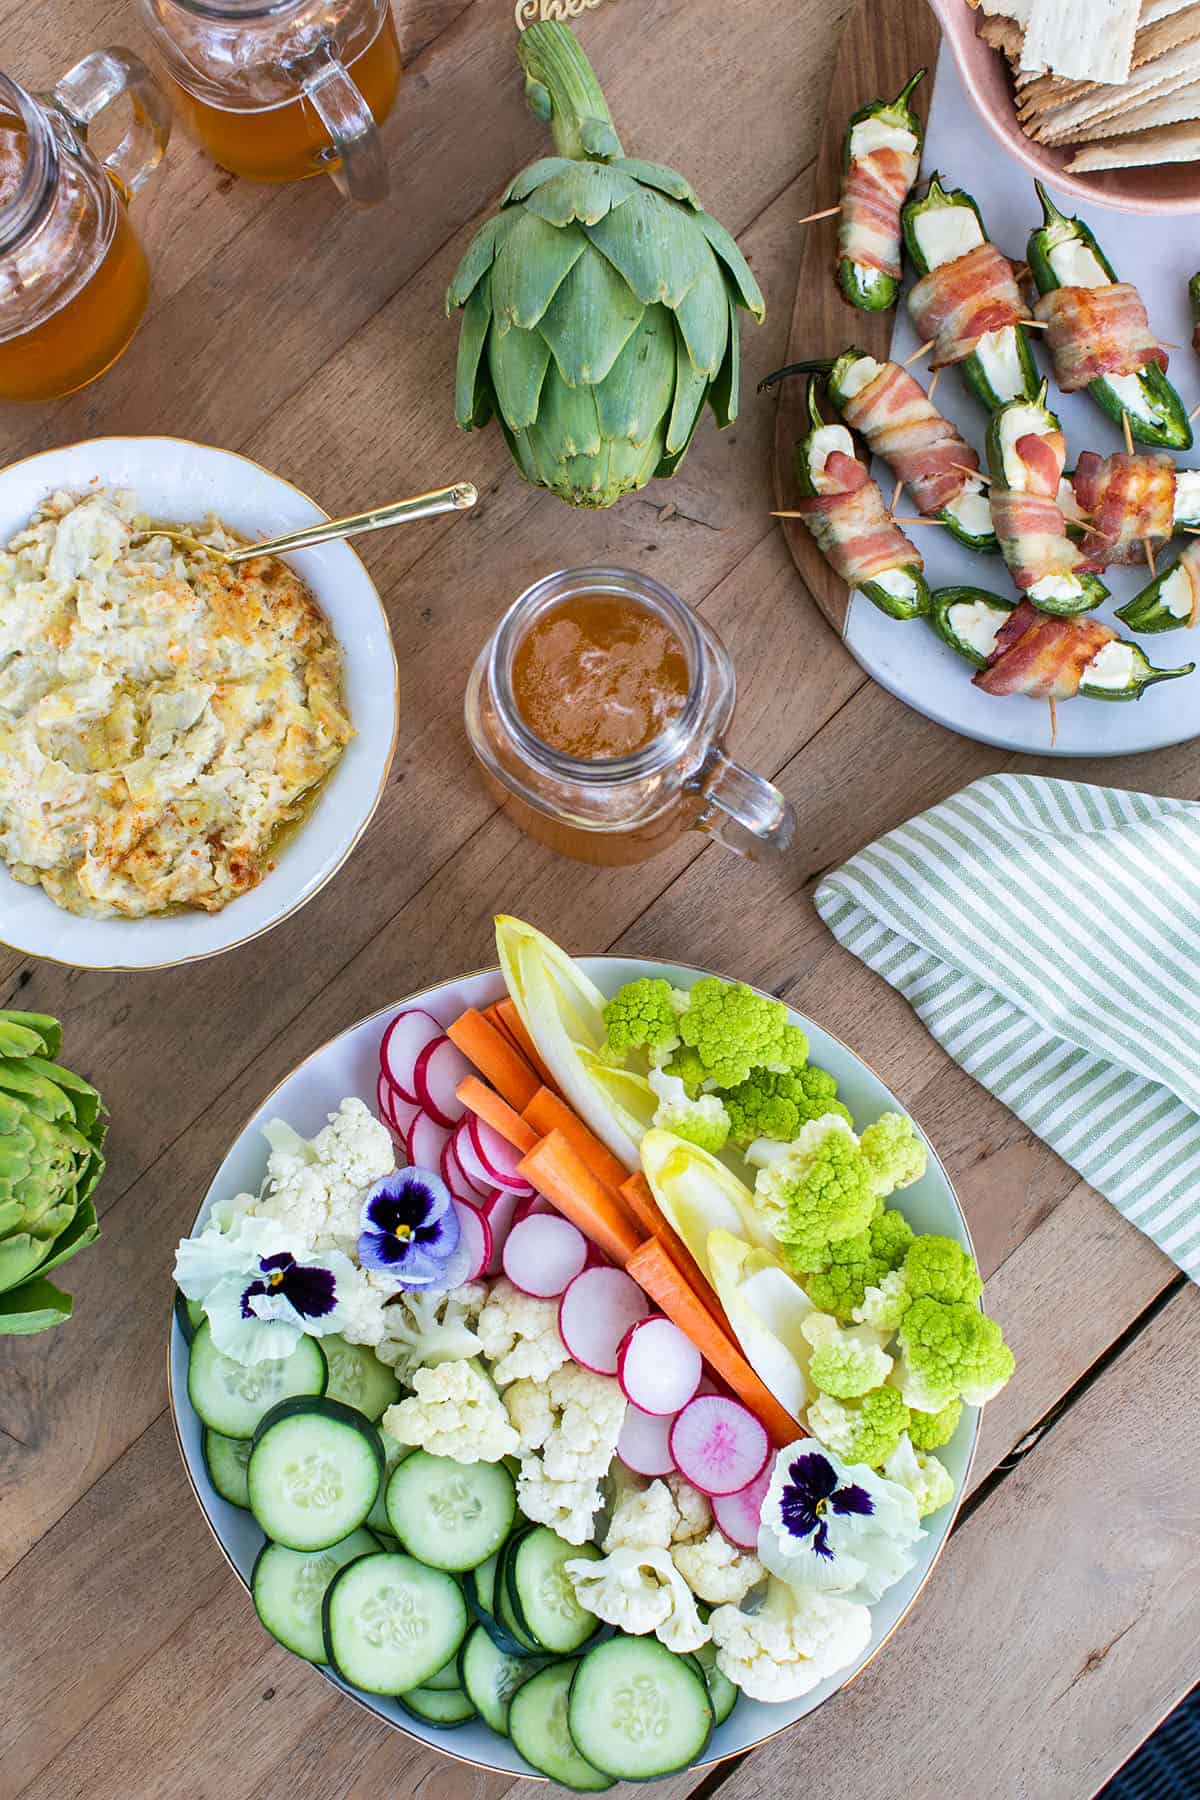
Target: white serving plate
(910,660)
(173,479)
(349,1065)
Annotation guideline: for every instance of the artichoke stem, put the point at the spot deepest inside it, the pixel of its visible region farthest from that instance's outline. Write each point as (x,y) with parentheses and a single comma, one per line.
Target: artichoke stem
(561,86)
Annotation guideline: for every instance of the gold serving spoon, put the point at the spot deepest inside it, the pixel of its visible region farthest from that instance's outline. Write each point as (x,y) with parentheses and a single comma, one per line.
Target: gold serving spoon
(459,498)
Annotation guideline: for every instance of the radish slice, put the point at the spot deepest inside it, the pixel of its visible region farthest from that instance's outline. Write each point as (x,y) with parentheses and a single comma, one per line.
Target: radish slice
(469,1161)
(659,1367)
(475,1235)
(403,1042)
(500,1211)
(645,1443)
(498,1156)
(594,1314)
(544,1255)
(426,1141)
(454,1178)
(596,1258)
(738,1514)
(437,1072)
(718,1445)
(535,1206)
(396,1112)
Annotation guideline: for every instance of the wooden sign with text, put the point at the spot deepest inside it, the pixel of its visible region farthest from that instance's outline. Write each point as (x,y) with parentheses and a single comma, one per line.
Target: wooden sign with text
(534,12)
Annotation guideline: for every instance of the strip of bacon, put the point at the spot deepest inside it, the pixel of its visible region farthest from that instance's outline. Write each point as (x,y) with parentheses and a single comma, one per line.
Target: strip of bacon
(903,426)
(853,528)
(959,302)
(874,189)
(1044,455)
(1033,537)
(1131,500)
(1042,657)
(1097,331)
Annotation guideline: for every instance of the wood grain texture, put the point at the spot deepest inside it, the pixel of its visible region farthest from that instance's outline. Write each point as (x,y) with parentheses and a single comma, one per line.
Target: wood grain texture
(313,339)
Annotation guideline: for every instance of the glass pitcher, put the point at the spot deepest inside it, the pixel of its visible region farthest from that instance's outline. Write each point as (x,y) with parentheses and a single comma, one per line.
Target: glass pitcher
(627,808)
(279,90)
(73,275)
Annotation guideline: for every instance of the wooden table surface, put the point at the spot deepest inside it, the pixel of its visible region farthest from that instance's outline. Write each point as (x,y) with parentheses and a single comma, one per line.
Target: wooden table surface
(1060,1624)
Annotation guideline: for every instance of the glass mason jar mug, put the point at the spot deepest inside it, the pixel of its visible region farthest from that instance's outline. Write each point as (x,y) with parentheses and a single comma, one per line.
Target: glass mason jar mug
(73,275)
(598,709)
(279,90)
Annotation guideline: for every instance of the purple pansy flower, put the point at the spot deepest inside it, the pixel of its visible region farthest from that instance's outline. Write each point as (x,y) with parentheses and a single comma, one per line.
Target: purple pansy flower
(262,1288)
(309,1290)
(810,1490)
(410,1231)
(838,1529)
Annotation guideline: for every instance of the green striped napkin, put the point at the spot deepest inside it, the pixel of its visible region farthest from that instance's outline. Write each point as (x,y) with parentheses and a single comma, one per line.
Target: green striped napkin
(1048,933)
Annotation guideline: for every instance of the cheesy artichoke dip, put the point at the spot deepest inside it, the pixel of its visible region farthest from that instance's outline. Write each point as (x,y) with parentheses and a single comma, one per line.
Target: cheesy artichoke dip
(162,716)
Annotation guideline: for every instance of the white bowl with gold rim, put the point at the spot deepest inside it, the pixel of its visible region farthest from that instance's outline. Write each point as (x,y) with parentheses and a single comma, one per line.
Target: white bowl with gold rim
(175,480)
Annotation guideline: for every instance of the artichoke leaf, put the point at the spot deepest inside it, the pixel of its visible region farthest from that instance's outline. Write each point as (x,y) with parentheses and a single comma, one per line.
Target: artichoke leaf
(671,459)
(48,1029)
(655,245)
(86,1105)
(518,360)
(531,265)
(18,1040)
(471,407)
(22,1254)
(723,395)
(590,320)
(83,1230)
(41,1095)
(691,386)
(657,175)
(735,264)
(481,253)
(568,423)
(586,191)
(635,397)
(544,169)
(32,1308)
(703,317)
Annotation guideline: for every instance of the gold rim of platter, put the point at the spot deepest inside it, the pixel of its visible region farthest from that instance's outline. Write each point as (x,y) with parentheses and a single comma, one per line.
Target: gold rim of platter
(711,1762)
(179,962)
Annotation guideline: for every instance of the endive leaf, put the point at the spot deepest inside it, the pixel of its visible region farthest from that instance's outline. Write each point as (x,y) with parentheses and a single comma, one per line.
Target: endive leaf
(698,1194)
(531,264)
(655,245)
(765,1308)
(590,320)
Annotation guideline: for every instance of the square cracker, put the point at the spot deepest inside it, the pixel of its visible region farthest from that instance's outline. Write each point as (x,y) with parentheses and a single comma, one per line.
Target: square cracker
(1170,143)
(1089,40)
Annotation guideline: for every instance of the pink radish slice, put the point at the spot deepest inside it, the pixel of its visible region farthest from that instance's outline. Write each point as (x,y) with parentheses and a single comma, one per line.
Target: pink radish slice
(544,1255)
(386,1102)
(476,1192)
(645,1443)
(476,1237)
(498,1156)
(500,1211)
(718,1445)
(437,1072)
(475,1170)
(738,1514)
(594,1314)
(659,1367)
(534,1206)
(403,1042)
(454,1178)
(596,1258)
(426,1141)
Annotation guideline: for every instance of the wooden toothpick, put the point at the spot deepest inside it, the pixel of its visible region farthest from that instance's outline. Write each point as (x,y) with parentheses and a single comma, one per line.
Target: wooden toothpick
(1195,412)
(1148,547)
(1053,721)
(811,218)
(918,354)
(933,381)
(899,489)
(1127,429)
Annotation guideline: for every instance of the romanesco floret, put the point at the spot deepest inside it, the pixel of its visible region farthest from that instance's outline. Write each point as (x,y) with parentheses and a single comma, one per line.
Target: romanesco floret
(701,1121)
(643,1519)
(847,1361)
(796,1638)
(814,1192)
(716,1570)
(734,1030)
(950,1353)
(453,1411)
(895,1153)
(421,1328)
(860,1431)
(519,1335)
(928,1481)
(856,1264)
(929,1431)
(775,1104)
(885,1303)
(695,1512)
(938,1268)
(642,1016)
(640,1591)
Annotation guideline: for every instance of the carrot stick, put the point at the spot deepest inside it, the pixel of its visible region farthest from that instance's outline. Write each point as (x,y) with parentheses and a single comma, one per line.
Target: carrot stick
(514,1024)
(494,1057)
(657,1276)
(639,1198)
(547,1113)
(480,1099)
(555,1169)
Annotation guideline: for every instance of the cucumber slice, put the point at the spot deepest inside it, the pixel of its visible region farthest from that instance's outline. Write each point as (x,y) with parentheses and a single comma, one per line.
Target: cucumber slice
(315,1469)
(721,1691)
(438,1706)
(519,1641)
(358,1378)
(452,1515)
(537,1725)
(394,1453)
(231,1397)
(491,1678)
(636,1710)
(190,1315)
(226,1459)
(480,1588)
(447,1678)
(289,1586)
(390,1623)
(542,1597)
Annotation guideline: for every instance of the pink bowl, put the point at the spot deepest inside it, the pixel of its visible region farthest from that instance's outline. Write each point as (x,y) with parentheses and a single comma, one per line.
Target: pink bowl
(1164,188)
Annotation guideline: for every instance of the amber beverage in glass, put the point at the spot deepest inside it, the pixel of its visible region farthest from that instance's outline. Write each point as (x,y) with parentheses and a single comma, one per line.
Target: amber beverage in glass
(597,711)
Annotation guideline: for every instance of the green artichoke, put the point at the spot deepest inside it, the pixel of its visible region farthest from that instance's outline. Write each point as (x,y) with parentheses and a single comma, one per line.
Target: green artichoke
(52,1126)
(600,304)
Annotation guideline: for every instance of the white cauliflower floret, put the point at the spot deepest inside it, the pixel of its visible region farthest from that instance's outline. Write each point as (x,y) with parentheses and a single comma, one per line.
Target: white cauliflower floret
(695,1513)
(365,1310)
(591,1411)
(643,1519)
(422,1329)
(568,1507)
(797,1638)
(318,1187)
(716,1570)
(455,1411)
(519,1335)
(529,1408)
(640,1590)
(926,1477)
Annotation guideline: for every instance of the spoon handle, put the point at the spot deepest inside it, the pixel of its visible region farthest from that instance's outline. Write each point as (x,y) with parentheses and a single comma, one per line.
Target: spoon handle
(458,498)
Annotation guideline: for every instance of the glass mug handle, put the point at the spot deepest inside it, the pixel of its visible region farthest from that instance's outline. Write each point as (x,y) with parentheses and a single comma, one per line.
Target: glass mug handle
(361,174)
(96,82)
(745,813)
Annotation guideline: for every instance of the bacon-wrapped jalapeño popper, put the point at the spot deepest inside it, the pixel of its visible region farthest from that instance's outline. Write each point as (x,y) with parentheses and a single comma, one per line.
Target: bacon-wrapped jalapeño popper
(1043,657)
(1129,501)
(880,161)
(847,516)
(1172,599)
(1026,451)
(1099,336)
(967,300)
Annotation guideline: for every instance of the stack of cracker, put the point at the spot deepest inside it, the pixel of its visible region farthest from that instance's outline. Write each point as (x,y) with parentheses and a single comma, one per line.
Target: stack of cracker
(1115,81)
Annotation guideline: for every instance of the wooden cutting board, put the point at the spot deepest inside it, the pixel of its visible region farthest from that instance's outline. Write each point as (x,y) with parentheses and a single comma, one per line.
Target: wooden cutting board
(884,42)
